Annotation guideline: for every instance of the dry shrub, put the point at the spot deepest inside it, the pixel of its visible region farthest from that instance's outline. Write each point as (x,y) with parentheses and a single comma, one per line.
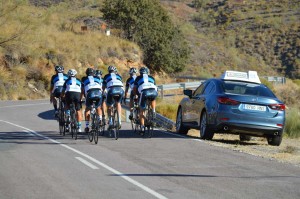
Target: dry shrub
(289,93)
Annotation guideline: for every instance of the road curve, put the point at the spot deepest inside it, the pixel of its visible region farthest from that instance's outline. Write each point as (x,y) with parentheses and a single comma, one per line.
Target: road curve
(37,162)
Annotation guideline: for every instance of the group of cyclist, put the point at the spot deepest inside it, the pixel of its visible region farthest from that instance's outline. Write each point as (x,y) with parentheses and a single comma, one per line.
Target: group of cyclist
(108,91)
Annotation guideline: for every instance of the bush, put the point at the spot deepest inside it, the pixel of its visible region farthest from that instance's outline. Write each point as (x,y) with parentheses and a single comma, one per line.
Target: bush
(292,125)
(167,110)
(289,93)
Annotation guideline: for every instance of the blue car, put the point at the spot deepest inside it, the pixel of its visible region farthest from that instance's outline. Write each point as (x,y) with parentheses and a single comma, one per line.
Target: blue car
(236,103)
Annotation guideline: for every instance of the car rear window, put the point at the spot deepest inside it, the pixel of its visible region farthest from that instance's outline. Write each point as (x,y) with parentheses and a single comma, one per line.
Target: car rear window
(244,88)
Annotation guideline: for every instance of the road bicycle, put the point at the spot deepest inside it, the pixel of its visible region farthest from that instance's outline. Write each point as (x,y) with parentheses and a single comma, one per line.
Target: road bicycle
(149,119)
(114,128)
(135,121)
(97,126)
(61,117)
(73,121)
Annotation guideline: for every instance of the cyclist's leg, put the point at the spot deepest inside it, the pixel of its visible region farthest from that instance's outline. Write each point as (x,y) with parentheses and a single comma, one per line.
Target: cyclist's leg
(109,103)
(131,105)
(119,99)
(153,96)
(142,105)
(87,114)
(76,100)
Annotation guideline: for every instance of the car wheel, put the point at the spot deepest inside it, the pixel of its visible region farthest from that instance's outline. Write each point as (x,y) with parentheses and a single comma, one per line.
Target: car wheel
(245,137)
(274,140)
(206,132)
(180,128)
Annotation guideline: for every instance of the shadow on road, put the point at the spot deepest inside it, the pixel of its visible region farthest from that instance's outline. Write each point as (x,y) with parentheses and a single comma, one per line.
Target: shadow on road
(47,115)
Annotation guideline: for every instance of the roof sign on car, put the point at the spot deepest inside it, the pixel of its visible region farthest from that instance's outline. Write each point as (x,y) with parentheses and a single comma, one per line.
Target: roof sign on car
(250,76)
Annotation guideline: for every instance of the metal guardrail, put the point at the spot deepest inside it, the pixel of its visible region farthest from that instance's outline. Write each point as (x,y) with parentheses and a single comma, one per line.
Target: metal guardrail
(275,80)
(183,85)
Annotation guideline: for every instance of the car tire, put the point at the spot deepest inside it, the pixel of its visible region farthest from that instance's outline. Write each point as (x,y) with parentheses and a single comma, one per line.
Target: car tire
(245,137)
(274,140)
(180,128)
(206,132)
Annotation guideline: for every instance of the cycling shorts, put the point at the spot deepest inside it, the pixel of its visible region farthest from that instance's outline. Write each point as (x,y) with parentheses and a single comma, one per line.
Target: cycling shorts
(73,97)
(114,94)
(93,95)
(149,94)
(57,91)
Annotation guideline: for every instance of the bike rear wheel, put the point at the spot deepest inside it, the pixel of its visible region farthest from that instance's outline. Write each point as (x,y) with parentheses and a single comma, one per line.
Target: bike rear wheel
(61,121)
(148,122)
(116,124)
(101,128)
(96,128)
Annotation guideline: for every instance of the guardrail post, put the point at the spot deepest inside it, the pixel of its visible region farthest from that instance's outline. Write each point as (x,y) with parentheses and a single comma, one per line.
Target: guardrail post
(162,92)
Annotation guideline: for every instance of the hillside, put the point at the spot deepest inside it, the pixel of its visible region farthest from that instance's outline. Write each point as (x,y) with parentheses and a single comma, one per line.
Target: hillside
(223,34)
(235,34)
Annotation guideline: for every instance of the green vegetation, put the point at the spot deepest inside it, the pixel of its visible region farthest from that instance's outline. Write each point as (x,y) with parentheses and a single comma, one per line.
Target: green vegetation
(292,125)
(148,24)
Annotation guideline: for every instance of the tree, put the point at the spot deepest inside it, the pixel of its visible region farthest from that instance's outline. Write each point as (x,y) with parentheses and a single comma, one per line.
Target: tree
(148,24)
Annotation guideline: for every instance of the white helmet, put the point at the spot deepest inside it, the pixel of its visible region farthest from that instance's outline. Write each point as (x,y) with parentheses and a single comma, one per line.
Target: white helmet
(72,73)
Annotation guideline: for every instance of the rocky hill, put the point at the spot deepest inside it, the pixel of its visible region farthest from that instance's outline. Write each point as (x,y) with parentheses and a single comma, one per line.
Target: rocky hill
(223,34)
(239,34)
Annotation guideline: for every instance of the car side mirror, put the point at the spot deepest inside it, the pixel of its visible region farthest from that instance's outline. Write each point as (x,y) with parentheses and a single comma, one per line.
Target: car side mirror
(189,93)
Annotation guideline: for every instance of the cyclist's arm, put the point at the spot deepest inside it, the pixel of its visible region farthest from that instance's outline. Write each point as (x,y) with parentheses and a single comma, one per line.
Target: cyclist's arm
(50,91)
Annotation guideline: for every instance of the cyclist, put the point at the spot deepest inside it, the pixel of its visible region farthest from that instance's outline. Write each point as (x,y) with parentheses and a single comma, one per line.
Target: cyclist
(57,82)
(129,85)
(92,88)
(145,87)
(114,85)
(72,91)
(103,105)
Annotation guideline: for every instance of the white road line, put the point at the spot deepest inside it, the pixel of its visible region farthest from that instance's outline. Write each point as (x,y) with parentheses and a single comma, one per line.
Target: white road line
(22,105)
(132,181)
(86,163)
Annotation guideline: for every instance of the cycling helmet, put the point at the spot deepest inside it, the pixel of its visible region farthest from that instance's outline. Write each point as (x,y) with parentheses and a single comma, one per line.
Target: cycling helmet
(144,70)
(72,73)
(90,72)
(59,69)
(98,73)
(112,69)
(132,70)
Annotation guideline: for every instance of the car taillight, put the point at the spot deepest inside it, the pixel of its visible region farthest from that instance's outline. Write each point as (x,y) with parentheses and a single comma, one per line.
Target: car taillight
(279,107)
(227,101)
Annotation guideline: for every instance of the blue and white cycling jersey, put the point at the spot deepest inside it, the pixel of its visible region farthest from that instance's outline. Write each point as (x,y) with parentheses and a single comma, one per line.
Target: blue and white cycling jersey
(58,80)
(91,82)
(130,82)
(144,81)
(112,80)
(72,84)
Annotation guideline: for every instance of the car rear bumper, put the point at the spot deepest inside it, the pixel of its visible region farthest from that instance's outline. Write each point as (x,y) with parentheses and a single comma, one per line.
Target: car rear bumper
(256,130)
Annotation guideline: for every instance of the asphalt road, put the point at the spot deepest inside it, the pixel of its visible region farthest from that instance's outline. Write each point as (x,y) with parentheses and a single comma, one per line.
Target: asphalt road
(37,162)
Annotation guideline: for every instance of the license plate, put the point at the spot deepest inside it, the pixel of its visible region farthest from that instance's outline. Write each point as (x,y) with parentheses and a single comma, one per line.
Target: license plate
(255,107)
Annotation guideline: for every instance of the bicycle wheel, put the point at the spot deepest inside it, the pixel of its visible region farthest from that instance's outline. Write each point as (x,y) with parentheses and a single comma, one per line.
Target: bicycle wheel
(148,122)
(116,124)
(136,120)
(90,133)
(74,123)
(72,129)
(101,128)
(61,122)
(96,128)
